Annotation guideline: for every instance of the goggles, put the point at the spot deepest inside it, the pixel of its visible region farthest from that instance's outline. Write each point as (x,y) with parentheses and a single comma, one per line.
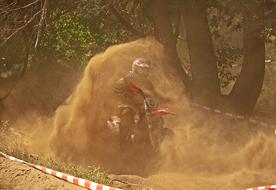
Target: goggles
(138,63)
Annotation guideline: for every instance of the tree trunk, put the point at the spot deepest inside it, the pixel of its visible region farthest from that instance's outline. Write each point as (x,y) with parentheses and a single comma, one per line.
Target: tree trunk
(249,84)
(164,33)
(162,24)
(202,56)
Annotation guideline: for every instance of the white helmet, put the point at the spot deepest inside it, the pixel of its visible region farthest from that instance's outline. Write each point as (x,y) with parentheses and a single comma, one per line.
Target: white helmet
(141,66)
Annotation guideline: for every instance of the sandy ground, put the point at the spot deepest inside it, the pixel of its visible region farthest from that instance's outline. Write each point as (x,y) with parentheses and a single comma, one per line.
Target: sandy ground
(240,180)
(17,176)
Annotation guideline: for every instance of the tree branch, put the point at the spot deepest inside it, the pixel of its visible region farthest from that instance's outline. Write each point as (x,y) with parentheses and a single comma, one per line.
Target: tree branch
(20,28)
(25,6)
(125,23)
(42,18)
(177,25)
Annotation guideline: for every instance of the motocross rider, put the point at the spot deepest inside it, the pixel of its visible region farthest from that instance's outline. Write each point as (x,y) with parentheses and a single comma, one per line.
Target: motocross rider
(132,99)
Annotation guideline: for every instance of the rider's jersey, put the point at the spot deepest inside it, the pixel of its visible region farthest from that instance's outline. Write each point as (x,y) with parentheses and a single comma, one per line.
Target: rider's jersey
(129,96)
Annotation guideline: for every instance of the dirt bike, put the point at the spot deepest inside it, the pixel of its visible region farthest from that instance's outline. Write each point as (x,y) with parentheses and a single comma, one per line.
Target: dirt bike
(142,131)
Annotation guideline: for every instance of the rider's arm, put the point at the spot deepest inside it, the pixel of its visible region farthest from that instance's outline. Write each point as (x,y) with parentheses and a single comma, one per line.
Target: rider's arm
(125,94)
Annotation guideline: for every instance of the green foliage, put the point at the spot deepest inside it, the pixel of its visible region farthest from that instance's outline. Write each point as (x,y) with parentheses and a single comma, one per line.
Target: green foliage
(67,38)
(102,24)
(80,33)
(227,56)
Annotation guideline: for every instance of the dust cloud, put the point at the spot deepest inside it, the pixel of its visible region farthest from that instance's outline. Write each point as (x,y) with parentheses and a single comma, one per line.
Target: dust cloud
(207,151)
(80,131)
(216,153)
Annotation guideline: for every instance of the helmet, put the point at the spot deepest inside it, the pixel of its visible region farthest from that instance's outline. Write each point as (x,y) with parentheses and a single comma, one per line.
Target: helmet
(141,67)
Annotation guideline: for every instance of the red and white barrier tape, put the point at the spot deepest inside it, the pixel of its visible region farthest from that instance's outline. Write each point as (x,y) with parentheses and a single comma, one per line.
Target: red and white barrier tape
(234,116)
(270,60)
(71,179)
(271,187)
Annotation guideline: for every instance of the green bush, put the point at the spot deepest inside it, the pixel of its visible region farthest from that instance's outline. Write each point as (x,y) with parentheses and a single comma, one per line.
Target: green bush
(68,38)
